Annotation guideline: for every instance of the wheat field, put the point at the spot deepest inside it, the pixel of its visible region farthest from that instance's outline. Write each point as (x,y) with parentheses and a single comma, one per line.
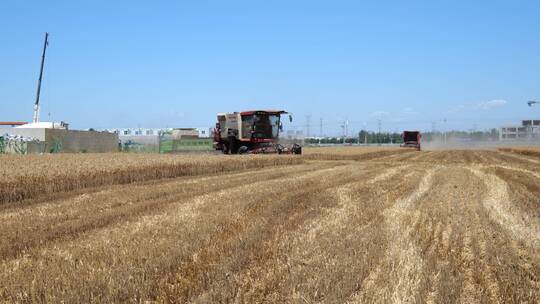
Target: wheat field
(529,151)
(335,225)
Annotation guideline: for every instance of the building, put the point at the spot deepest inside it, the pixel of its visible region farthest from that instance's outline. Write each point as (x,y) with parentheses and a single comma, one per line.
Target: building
(143,139)
(46,137)
(205,132)
(528,130)
(157,139)
(132,132)
(185,133)
(44,125)
(294,135)
(137,131)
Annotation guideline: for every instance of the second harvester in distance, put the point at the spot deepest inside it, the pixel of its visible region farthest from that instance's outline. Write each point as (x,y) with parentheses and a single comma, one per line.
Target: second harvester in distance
(251,132)
(411,139)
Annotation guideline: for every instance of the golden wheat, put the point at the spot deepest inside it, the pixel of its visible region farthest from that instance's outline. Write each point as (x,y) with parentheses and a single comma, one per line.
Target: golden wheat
(529,151)
(435,227)
(27,176)
(352,152)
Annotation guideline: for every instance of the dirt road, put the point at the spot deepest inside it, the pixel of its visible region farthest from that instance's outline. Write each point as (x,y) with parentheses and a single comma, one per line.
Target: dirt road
(433,227)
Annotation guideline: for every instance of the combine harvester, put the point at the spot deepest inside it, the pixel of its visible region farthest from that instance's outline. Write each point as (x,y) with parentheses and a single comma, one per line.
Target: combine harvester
(251,132)
(411,139)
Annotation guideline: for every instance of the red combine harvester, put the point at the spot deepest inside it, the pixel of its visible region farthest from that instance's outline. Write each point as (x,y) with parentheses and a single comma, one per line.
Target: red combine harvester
(411,139)
(251,132)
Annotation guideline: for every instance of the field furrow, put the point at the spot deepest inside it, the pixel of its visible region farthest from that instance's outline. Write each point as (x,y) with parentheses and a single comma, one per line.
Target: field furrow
(507,214)
(337,226)
(66,218)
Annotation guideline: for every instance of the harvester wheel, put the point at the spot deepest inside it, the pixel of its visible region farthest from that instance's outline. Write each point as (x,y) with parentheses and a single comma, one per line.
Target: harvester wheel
(243,150)
(296,149)
(233,145)
(225,149)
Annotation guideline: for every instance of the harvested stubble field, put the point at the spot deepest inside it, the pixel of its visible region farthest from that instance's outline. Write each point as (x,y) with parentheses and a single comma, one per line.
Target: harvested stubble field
(529,151)
(350,152)
(403,227)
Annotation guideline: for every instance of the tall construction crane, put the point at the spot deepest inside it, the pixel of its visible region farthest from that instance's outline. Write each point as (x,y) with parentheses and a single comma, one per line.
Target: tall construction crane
(35,117)
(531,102)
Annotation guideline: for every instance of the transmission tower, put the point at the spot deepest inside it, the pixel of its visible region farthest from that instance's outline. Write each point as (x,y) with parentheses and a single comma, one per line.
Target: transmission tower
(308,124)
(379,122)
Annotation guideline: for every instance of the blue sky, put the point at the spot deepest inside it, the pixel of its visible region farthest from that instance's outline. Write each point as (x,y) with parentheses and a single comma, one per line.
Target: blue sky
(411,64)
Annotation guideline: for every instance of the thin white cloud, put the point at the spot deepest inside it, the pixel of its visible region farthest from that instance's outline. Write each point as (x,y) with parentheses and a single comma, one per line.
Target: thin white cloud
(495,103)
(482,105)
(380,114)
(409,111)
(455,109)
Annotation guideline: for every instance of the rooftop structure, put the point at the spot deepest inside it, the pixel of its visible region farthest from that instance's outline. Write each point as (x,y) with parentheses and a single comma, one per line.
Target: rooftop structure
(44,125)
(12,123)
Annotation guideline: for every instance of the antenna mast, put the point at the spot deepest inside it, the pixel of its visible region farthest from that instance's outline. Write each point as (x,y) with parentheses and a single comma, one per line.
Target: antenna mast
(35,118)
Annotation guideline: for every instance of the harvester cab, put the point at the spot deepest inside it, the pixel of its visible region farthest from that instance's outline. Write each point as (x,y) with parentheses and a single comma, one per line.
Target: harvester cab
(411,139)
(251,132)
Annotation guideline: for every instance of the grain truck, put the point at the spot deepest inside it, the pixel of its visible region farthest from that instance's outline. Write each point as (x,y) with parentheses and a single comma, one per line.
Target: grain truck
(251,132)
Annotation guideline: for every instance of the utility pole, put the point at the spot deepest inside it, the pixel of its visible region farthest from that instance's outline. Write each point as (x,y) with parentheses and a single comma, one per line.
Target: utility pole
(345,127)
(308,123)
(379,134)
(320,127)
(343,132)
(35,117)
(444,130)
(365,133)
(365,137)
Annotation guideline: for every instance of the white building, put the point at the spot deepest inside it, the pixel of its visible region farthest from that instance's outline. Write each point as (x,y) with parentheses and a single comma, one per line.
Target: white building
(294,135)
(201,132)
(205,132)
(529,129)
(138,131)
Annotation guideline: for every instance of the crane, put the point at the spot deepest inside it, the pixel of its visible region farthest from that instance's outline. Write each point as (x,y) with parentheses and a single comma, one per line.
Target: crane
(35,117)
(531,102)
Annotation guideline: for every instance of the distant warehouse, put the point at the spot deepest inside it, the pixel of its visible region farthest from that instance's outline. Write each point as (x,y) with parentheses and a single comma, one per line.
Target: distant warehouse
(528,130)
(142,132)
(53,137)
(160,139)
